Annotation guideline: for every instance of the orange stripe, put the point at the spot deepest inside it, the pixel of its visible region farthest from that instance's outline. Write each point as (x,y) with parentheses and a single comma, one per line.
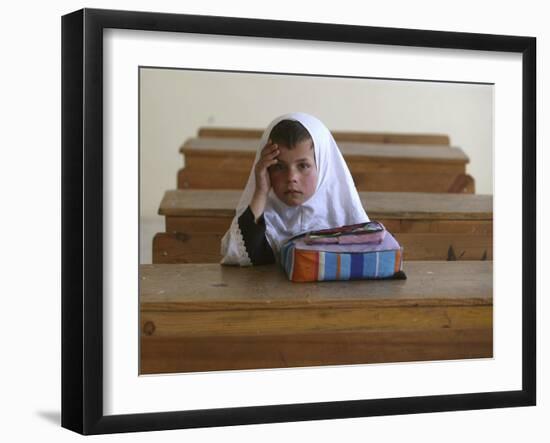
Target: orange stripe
(305,266)
(397,260)
(338,267)
(316,266)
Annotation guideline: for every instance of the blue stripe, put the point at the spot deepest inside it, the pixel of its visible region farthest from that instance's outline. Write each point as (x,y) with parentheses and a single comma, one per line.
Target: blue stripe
(352,266)
(386,264)
(356,265)
(345,265)
(330,266)
(369,265)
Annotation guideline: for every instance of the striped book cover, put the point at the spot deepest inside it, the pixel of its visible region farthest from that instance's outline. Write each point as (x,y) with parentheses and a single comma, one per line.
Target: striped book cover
(304,262)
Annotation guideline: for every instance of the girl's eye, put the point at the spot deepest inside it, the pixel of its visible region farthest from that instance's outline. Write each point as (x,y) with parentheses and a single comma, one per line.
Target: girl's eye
(304,165)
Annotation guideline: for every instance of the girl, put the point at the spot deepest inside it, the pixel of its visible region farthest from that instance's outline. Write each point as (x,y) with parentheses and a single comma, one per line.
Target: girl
(299,182)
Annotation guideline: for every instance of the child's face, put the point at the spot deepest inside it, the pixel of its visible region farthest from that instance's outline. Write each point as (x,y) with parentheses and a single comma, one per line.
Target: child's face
(294,177)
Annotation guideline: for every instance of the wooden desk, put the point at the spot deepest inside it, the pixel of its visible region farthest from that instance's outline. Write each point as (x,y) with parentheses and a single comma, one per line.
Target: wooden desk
(225,163)
(429,226)
(207,317)
(339,136)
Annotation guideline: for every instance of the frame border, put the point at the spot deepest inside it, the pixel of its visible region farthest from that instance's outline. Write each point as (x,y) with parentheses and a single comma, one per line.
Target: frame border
(82,220)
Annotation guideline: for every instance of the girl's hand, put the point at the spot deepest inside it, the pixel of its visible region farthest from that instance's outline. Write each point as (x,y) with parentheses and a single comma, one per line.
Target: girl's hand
(263,183)
(268,157)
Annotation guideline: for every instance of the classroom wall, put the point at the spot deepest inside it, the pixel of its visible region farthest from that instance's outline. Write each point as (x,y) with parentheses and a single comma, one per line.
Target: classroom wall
(175,103)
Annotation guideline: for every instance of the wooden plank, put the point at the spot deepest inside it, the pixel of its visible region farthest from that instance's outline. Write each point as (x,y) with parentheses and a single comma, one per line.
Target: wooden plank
(374,166)
(228,147)
(351,136)
(448,182)
(176,355)
(219,225)
(196,247)
(205,247)
(428,226)
(285,321)
(212,286)
(394,205)
(211,317)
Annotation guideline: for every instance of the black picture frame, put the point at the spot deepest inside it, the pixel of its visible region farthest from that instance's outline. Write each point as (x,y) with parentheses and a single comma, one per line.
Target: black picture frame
(82,219)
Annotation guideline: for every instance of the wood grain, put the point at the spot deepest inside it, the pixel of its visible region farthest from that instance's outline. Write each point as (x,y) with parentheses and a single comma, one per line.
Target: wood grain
(453,182)
(374,166)
(395,205)
(429,226)
(244,147)
(204,247)
(207,286)
(293,320)
(177,354)
(209,317)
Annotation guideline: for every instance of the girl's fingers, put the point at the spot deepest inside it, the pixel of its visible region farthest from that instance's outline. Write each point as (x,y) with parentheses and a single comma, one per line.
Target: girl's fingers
(265,163)
(271,153)
(270,147)
(268,156)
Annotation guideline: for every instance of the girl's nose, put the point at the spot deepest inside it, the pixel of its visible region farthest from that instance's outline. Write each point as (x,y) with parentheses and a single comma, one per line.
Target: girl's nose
(292,175)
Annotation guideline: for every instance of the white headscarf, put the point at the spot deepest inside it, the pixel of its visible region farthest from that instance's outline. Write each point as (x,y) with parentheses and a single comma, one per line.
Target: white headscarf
(334,203)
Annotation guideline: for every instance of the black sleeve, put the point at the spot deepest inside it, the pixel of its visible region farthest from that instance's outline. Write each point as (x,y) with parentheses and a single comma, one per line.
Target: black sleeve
(255,241)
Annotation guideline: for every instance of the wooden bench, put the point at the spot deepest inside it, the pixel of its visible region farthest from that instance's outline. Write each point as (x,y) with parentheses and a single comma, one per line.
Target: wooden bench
(225,163)
(339,136)
(429,226)
(207,317)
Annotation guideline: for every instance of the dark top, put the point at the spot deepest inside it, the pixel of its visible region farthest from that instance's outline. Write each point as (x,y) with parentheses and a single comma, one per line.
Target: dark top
(255,241)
